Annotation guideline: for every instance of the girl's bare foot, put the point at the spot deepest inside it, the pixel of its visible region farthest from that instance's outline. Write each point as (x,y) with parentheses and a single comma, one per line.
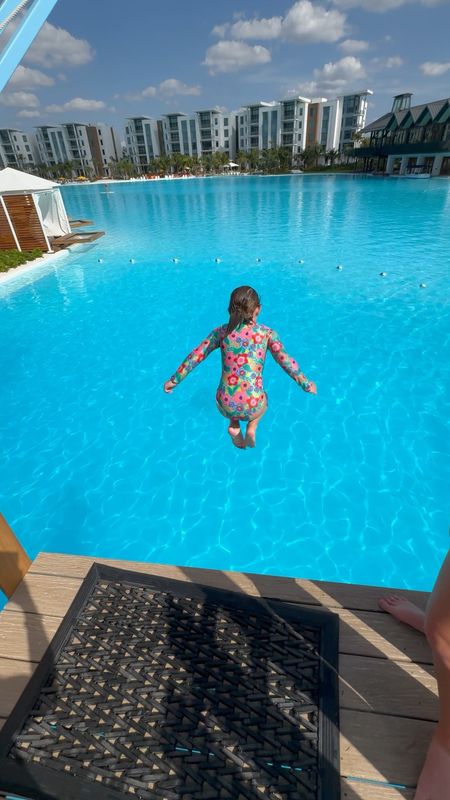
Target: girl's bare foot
(434,781)
(250,436)
(234,429)
(404,611)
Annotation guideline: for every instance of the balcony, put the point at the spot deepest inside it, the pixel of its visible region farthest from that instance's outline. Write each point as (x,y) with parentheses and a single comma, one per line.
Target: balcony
(417,148)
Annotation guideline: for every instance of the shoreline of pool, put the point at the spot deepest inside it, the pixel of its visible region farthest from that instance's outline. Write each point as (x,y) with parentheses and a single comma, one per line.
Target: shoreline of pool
(24,269)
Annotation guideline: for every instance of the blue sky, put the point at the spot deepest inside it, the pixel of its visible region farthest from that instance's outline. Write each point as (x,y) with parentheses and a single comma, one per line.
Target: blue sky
(101,60)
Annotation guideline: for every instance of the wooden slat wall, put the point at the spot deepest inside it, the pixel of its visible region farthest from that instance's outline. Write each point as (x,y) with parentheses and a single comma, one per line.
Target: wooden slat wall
(26,222)
(7,241)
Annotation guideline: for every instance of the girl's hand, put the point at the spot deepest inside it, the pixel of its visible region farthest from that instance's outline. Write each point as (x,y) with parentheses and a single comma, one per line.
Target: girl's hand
(169,386)
(312,388)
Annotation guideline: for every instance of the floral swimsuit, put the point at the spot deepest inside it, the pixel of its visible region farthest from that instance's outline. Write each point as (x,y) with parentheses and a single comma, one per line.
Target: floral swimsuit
(240,393)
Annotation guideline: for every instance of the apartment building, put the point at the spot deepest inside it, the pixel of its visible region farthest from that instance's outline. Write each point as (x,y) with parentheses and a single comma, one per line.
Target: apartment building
(301,122)
(204,132)
(17,149)
(143,136)
(90,148)
(294,113)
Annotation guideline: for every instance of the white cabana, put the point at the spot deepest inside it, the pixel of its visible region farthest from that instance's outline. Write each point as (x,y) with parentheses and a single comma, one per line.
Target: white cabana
(46,198)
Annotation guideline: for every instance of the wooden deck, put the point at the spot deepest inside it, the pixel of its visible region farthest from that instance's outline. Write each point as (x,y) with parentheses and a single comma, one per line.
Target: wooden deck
(388,693)
(76,237)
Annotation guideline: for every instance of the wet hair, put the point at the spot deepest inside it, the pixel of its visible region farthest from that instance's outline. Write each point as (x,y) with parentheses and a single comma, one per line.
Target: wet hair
(243,303)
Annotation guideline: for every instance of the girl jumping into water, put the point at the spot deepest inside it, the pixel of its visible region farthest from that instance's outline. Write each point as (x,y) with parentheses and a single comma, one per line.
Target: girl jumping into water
(243,343)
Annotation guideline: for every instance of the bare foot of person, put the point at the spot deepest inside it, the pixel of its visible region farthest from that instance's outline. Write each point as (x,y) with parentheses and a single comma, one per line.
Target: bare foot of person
(404,611)
(250,436)
(434,781)
(236,436)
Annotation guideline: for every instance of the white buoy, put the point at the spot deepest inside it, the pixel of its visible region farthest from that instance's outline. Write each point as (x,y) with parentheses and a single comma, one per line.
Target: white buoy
(301,261)
(339,266)
(217,260)
(258,260)
(100,260)
(175,260)
(422,286)
(132,261)
(383,274)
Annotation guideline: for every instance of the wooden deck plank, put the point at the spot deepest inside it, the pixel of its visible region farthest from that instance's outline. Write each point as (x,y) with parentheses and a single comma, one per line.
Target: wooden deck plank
(387,687)
(14,676)
(381,747)
(354,790)
(293,589)
(25,637)
(366,633)
(42,594)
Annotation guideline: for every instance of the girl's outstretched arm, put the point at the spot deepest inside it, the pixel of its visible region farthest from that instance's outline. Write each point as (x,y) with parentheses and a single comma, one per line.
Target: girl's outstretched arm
(198,354)
(289,364)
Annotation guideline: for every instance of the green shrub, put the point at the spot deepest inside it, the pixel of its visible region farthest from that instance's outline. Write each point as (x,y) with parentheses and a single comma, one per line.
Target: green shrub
(14,258)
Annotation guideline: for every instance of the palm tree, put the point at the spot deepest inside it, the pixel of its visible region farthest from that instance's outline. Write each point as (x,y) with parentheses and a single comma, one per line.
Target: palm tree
(207,162)
(254,159)
(242,159)
(331,156)
(312,154)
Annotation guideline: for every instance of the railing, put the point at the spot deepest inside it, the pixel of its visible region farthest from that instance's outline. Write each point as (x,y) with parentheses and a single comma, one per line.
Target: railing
(417,148)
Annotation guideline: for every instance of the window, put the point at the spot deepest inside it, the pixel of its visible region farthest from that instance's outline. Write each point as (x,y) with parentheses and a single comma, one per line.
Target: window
(25,138)
(225,120)
(225,132)
(27,148)
(265,130)
(227,143)
(274,126)
(217,143)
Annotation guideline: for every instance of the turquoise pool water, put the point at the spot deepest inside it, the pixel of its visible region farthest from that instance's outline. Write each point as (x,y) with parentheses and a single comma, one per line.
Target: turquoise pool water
(351,485)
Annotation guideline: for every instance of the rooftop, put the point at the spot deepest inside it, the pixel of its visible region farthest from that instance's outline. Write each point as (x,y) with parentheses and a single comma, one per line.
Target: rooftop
(435,109)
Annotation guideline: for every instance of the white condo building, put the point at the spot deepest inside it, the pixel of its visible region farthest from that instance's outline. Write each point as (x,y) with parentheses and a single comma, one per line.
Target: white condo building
(90,148)
(207,131)
(143,140)
(17,149)
(300,122)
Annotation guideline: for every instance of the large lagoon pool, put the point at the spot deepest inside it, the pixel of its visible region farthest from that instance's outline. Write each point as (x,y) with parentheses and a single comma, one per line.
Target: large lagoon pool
(351,485)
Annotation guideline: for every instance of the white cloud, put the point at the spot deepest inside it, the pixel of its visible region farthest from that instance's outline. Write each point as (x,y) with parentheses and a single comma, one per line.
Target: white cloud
(172,86)
(433,69)
(77,104)
(304,22)
(30,114)
(334,78)
(351,46)
(229,56)
(251,28)
(384,5)
(26,78)
(391,62)
(26,99)
(54,46)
